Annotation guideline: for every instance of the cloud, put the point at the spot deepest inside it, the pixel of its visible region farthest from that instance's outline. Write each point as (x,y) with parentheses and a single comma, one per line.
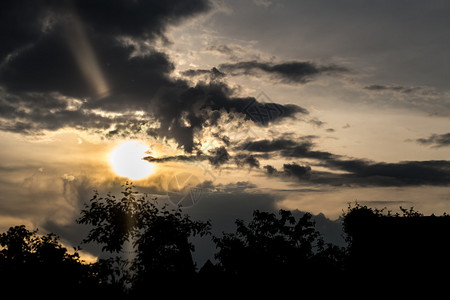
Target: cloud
(369,174)
(270,170)
(406,173)
(179,158)
(213,74)
(392,88)
(216,157)
(234,52)
(219,156)
(296,170)
(407,90)
(316,122)
(428,99)
(292,170)
(301,148)
(436,140)
(268,145)
(293,72)
(244,159)
(91,66)
(344,171)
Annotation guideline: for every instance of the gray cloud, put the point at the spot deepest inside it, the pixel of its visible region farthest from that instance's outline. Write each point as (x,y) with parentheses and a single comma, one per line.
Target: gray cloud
(358,172)
(234,52)
(213,74)
(244,159)
(316,122)
(392,88)
(268,145)
(298,171)
(219,156)
(293,72)
(292,170)
(436,140)
(301,148)
(179,158)
(418,91)
(408,173)
(364,173)
(86,66)
(216,157)
(270,170)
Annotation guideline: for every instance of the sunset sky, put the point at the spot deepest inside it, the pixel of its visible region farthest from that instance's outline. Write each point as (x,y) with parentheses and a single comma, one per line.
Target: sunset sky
(223,106)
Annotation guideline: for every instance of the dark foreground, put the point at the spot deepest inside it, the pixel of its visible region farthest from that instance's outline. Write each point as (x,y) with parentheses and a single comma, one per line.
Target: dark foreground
(272,255)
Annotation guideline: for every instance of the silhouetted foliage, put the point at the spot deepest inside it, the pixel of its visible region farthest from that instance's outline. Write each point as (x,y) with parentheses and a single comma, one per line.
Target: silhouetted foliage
(386,247)
(159,237)
(29,261)
(277,249)
(149,248)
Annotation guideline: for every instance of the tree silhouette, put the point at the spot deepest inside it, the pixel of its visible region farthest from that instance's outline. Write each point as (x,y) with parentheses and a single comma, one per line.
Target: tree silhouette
(148,247)
(159,237)
(386,247)
(276,249)
(30,260)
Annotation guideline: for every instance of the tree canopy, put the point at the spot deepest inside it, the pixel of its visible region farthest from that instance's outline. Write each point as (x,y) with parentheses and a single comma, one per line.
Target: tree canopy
(146,245)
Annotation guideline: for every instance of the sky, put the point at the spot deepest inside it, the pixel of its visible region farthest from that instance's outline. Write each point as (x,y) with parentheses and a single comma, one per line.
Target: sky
(234,105)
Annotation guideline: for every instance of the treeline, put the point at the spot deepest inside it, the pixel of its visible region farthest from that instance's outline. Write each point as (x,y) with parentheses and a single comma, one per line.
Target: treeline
(271,252)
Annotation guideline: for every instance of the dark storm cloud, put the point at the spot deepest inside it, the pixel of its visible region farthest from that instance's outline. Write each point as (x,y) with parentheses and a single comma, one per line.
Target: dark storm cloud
(406,173)
(304,151)
(436,140)
(301,148)
(288,72)
(250,160)
(214,73)
(296,170)
(218,96)
(270,170)
(292,170)
(217,157)
(268,145)
(350,171)
(31,113)
(192,104)
(359,172)
(24,21)
(85,65)
(179,158)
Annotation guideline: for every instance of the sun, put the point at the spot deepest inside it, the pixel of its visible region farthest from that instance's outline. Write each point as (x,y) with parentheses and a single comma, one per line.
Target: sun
(127,160)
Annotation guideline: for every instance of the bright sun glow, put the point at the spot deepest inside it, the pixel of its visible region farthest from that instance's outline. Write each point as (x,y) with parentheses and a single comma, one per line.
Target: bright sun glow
(126,160)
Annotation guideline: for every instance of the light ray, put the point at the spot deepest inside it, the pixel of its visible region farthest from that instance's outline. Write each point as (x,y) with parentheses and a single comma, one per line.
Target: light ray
(84,54)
